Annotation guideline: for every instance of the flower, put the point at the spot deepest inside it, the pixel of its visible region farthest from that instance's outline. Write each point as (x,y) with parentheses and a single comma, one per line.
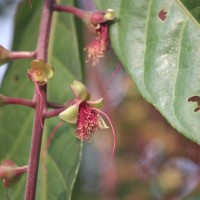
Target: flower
(98,47)
(98,23)
(84,113)
(40,72)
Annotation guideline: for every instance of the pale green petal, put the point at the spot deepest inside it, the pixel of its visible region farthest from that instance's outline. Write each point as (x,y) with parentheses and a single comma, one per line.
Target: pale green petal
(37,64)
(96,104)
(80,91)
(49,70)
(70,115)
(101,123)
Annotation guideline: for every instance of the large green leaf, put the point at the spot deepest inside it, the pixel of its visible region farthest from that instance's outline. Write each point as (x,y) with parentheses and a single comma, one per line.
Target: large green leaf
(162,56)
(16,121)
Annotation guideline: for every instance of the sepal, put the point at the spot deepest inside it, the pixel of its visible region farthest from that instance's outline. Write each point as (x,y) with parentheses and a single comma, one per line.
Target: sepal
(70,115)
(80,91)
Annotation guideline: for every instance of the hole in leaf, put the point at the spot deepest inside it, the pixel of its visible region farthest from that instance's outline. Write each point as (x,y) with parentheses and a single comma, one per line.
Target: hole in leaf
(162,14)
(197,100)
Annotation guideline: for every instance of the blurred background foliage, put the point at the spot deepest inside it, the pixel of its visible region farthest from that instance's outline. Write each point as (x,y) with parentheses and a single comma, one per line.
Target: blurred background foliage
(153,161)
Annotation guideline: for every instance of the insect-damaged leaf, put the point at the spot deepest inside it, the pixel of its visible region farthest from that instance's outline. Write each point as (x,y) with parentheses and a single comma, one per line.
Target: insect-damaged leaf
(158,43)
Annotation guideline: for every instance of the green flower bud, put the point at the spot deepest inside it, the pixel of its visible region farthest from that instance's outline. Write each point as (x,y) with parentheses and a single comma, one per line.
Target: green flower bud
(40,71)
(110,14)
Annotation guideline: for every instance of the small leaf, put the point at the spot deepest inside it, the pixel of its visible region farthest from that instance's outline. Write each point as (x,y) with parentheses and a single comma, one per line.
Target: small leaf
(49,70)
(40,71)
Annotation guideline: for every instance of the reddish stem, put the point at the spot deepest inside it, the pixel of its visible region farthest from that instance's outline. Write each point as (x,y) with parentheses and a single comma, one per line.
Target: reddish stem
(41,53)
(18,101)
(53,113)
(75,11)
(13,55)
(21,170)
(54,105)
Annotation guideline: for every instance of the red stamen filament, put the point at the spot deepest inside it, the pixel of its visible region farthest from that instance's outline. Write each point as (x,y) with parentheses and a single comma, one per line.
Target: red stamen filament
(48,144)
(113,131)
(113,75)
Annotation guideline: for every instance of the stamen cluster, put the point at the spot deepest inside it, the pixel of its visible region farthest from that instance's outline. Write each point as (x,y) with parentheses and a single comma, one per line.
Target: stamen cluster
(87,122)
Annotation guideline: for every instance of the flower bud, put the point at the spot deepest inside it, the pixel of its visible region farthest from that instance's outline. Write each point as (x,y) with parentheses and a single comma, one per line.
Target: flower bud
(4,55)
(40,71)
(10,172)
(2,100)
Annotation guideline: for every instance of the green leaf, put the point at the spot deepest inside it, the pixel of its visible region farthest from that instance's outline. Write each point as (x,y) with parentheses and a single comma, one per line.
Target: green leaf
(16,122)
(161,55)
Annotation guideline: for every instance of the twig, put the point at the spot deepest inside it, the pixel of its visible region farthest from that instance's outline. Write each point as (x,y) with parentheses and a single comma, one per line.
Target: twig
(53,113)
(41,53)
(18,101)
(75,11)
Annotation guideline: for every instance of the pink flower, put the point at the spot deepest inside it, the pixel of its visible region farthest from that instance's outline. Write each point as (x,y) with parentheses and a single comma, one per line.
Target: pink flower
(85,114)
(98,47)
(98,24)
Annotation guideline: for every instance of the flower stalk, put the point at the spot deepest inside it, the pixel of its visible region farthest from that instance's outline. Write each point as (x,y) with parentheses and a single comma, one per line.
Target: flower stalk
(41,53)
(6,55)
(5,100)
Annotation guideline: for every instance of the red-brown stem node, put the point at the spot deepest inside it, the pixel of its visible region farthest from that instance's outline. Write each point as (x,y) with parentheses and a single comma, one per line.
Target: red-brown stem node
(41,53)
